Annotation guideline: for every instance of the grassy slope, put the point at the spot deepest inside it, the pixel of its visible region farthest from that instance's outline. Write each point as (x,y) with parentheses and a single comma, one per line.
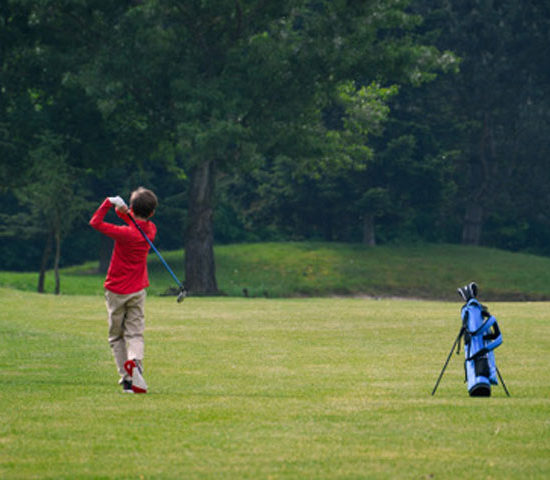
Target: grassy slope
(266,388)
(323,269)
(425,271)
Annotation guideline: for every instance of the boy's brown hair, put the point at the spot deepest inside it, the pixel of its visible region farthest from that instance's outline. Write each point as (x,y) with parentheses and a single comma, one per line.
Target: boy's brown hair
(143,202)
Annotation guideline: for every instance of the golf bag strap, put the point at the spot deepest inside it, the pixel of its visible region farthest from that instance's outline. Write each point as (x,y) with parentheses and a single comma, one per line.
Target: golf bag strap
(485,326)
(494,344)
(495,334)
(486,349)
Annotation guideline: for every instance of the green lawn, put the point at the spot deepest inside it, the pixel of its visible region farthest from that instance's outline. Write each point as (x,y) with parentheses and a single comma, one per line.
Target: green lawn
(291,269)
(260,388)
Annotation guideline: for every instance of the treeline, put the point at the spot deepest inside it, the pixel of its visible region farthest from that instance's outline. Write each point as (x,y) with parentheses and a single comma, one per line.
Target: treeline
(370,121)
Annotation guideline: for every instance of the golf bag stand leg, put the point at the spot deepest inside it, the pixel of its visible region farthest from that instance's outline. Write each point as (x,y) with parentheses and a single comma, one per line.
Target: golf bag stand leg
(460,333)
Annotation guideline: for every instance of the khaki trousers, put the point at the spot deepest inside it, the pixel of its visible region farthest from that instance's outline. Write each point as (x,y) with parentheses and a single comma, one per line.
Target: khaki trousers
(126,327)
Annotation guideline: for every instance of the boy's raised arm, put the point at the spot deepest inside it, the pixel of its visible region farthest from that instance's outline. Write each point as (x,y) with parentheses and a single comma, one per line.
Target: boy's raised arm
(99,214)
(97,222)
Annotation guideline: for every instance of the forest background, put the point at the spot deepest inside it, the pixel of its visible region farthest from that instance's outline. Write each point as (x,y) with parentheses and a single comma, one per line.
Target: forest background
(376,121)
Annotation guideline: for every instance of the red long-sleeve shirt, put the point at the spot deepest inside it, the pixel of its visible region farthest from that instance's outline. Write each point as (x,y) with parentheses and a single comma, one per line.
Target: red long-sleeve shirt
(128,268)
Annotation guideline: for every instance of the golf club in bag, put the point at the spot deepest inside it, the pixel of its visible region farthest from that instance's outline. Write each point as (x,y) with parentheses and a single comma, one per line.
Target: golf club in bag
(182,290)
(481,336)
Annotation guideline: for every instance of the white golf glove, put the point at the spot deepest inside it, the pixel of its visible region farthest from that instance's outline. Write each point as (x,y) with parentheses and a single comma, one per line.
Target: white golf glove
(117,201)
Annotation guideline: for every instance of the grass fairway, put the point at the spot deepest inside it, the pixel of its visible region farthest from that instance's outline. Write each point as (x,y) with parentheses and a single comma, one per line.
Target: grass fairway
(268,388)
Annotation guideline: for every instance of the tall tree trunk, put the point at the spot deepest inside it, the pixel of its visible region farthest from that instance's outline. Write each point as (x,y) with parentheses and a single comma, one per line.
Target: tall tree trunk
(200,269)
(57,237)
(473,224)
(369,237)
(482,175)
(44,263)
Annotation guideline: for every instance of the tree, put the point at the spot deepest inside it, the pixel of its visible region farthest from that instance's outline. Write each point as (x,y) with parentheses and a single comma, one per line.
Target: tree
(222,84)
(494,110)
(17,112)
(53,201)
(364,112)
(45,112)
(212,87)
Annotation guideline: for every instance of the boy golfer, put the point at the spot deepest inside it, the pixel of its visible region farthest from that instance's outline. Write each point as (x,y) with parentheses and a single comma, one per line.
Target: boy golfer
(126,282)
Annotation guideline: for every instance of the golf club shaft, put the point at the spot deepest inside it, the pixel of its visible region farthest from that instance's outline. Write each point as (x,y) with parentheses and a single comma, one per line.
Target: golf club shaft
(156,251)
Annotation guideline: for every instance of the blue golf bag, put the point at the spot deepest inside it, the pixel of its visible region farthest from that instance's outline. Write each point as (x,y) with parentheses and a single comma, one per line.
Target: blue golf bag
(481,336)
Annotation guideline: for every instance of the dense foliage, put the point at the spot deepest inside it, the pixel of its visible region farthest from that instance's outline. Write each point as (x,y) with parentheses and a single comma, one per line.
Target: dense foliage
(372,121)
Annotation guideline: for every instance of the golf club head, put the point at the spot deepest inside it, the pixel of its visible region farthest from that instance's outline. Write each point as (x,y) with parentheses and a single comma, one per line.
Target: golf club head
(182,294)
(467,292)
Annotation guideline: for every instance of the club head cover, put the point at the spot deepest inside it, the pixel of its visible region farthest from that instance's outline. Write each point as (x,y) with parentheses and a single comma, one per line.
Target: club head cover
(138,382)
(472,287)
(467,292)
(462,291)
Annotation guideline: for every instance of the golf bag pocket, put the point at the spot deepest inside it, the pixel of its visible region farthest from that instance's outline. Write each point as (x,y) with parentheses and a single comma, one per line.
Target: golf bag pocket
(481,367)
(481,336)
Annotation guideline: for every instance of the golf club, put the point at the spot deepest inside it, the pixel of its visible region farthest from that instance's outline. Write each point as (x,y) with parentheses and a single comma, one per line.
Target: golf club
(182,290)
